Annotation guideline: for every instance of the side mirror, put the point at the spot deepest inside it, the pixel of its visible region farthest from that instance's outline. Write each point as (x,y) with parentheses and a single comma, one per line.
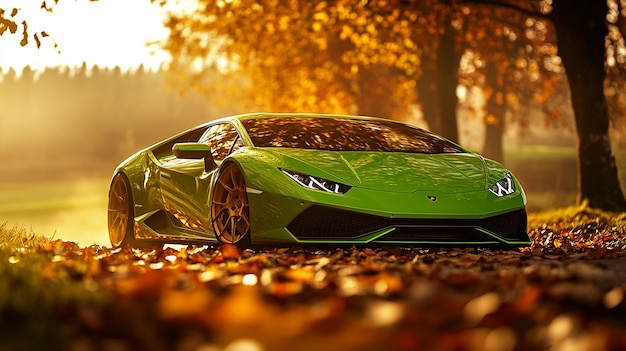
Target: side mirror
(195,151)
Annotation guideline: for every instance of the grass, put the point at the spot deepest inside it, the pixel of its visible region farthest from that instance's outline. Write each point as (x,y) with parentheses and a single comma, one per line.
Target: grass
(580,213)
(549,174)
(38,299)
(73,210)
(580,218)
(18,237)
(539,152)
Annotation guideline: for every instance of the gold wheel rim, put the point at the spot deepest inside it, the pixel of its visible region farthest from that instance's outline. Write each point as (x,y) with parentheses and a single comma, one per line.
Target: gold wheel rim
(229,206)
(118,211)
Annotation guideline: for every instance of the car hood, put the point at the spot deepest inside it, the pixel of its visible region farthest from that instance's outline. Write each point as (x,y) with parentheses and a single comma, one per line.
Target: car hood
(399,172)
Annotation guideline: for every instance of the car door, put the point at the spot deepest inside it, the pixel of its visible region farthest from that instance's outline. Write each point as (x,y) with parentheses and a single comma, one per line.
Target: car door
(186,184)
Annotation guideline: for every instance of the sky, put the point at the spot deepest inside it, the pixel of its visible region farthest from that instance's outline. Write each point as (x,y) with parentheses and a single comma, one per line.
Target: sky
(106,33)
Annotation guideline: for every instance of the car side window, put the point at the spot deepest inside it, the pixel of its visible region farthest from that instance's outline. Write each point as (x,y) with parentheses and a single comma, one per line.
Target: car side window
(220,138)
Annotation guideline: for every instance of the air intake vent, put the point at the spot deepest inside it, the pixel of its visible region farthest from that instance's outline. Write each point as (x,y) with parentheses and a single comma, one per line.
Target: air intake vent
(325,223)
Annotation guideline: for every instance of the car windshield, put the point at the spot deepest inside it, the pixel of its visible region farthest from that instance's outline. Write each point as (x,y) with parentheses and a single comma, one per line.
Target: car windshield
(344,134)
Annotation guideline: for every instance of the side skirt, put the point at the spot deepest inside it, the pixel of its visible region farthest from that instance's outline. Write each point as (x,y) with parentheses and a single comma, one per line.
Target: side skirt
(160,225)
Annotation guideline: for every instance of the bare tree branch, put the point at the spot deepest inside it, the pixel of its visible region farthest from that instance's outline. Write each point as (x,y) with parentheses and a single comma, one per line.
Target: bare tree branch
(504,4)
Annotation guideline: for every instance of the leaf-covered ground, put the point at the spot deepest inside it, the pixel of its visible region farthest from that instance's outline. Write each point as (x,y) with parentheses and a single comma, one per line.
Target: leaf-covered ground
(565,292)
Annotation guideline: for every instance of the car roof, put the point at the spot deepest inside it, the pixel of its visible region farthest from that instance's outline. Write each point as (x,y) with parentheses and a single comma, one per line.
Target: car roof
(259,115)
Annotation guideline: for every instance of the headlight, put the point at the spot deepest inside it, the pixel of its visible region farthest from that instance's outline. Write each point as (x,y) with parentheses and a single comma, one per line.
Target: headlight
(504,186)
(316,183)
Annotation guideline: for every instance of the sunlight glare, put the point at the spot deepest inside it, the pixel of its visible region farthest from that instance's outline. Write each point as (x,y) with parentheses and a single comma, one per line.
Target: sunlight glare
(104,33)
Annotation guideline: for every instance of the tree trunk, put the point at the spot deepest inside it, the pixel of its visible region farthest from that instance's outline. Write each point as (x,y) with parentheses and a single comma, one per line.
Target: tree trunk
(581,29)
(448,58)
(495,121)
(493,141)
(427,93)
(373,96)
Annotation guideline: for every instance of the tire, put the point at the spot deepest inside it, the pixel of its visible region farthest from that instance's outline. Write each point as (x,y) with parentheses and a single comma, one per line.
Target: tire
(121,212)
(230,209)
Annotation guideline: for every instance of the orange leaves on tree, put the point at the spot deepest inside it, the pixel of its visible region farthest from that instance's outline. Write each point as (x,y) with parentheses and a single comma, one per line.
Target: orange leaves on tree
(281,48)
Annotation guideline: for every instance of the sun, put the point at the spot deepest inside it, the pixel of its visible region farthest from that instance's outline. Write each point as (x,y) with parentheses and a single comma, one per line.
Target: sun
(106,33)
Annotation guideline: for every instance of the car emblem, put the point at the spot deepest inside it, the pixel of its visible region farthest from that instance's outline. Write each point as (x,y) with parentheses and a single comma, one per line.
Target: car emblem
(432,198)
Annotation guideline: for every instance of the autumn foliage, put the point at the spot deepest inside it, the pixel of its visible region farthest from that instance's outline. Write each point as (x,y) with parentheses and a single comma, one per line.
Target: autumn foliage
(567,287)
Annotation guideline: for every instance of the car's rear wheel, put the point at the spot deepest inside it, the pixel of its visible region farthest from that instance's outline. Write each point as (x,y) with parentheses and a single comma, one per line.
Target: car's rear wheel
(230,210)
(121,213)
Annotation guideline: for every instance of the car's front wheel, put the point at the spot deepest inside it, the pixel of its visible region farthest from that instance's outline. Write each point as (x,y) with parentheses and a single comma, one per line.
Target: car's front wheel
(120,212)
(230,210)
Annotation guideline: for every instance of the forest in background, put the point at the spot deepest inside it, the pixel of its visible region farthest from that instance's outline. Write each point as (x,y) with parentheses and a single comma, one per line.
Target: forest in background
(64,124)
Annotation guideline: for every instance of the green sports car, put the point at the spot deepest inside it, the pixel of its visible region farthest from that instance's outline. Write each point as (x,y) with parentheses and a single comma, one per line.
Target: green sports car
(271,178)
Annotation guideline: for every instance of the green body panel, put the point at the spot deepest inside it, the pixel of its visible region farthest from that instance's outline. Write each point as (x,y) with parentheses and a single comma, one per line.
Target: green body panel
(172,195)
(397,172)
